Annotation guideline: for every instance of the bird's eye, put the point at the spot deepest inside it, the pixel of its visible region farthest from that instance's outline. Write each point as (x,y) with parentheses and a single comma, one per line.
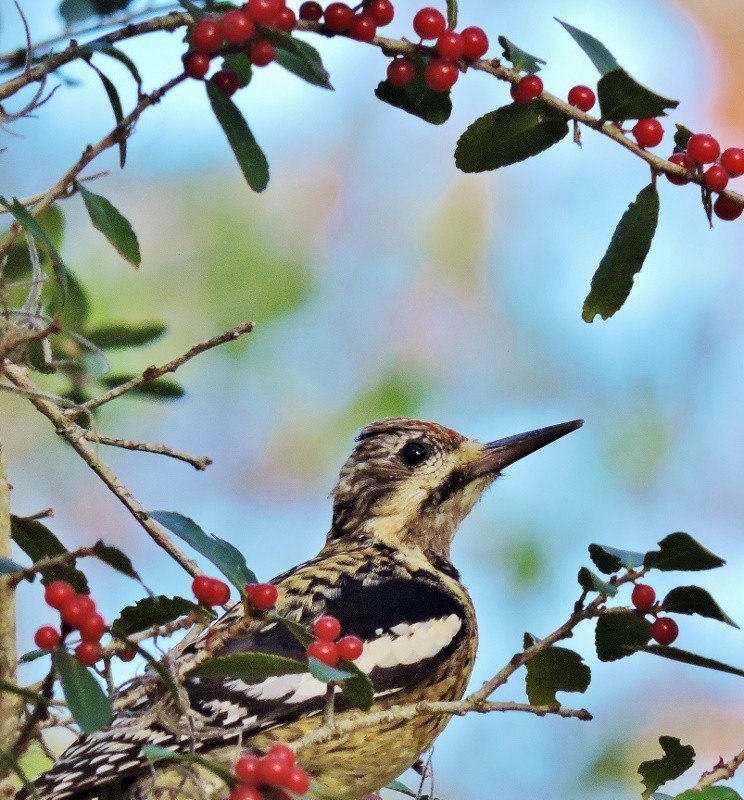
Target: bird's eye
(414,453)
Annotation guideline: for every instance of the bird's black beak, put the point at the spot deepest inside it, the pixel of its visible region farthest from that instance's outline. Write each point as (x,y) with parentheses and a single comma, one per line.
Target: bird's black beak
(497,455)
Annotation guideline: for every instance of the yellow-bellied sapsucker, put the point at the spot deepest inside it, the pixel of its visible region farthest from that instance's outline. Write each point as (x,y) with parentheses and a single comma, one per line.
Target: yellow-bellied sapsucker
(385,574)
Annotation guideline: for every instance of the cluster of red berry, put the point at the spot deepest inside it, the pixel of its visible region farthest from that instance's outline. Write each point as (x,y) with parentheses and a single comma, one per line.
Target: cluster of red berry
(360,24)
(275,771)
(664,630)
(210,591)
(328,648)
(77,612)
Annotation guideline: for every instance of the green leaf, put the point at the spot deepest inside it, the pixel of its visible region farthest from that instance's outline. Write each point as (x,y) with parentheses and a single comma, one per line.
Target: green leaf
(112,224)
(677,758)
(694,600)
(618,635)
(685,657)
(33,655)
(521,60)
(115,101)
(73,11)
(37,542)
(108,337)
(299,631)
(89,48)
(150,611)
(556,669)
(154,752)
(160,387)
(115,558)
(591,582)
(681,137)
(509,134)
(679,551)
(621,97)
(451,14)
(89,706)
(417,98)
(397,786)
(193,9)
(225,556)
(75,313)
(709,793)
(611,559)
(250,157)
(241,65)
(357,689)
(600,56)
(250,666)
(628,249)
(32,227)
(298,57)
(8,566)
(324,673)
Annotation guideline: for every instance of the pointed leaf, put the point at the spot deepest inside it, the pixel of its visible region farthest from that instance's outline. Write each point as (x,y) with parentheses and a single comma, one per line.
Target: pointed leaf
(357,689)
(621,97)
(679,551)
(556,669)
(521,60)
(451,14)
(89,706)
(685,657)
(677,758)
(298,57)
(299,631)
(108,337)
(324,673)
(618,635)
(600,56)
(112,224)
(694,600)
(509,134)
(115,558)
(628,249)
(193,9)
(151,611)
(241,65)
(8,566)
(591,582)
(165,388)
(417,98)
(32,227)
(115,101)
(37,542)
(109,50)
(73,11)
(709,793)
(225,556)
(611,559)
(681,137)
(250,157)
(250,666)
(397,786)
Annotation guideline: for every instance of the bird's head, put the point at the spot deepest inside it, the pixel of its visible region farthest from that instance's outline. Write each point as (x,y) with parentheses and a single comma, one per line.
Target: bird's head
(411,483)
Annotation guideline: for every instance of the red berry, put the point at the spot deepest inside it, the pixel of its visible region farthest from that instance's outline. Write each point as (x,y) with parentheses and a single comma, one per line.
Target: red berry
(237,26)
(703,148)
(57,593)
(401,71)
(47,637)
(263,11)
(528,88)
(664,630)
(643,596)
(201,586)
(338,17)
(381,11)
(247,769)
(227,80)
(88,653)
(441,75)
(475,42)
(681,160)
(326,652)
(298,781)
(327,628)
(726,209)
(349,647)
(127,654)
(262,596)
(429,23)
(92,627)
(286,20)
(274,771)
(582,97)
(74,611)
(362,27)
(262,53)
(648,132)
(450,45)
(206,35)
(311,11)
(283,753)
(245,792)
(715,178)
(732,160)
(196,65)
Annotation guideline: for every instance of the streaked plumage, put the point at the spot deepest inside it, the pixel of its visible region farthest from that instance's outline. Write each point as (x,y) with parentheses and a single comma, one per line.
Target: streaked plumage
(385,573)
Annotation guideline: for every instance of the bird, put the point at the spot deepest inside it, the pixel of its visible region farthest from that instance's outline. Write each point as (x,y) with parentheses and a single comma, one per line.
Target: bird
(385,572)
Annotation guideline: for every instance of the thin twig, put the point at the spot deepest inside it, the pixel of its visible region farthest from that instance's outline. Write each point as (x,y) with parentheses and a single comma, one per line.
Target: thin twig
(29,201)
(720,772)
(198,462)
